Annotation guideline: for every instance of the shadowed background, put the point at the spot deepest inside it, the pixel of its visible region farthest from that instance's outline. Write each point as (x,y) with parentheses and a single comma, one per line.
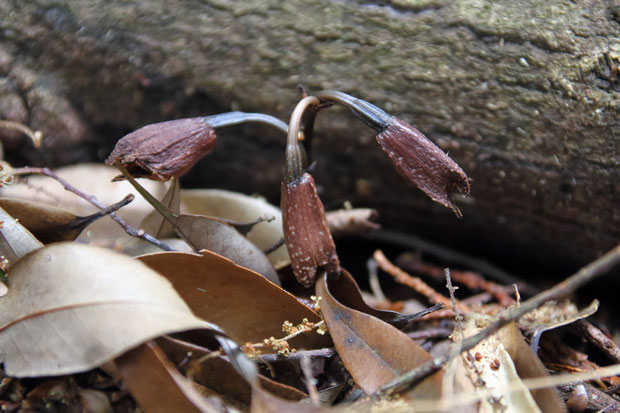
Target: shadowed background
(524,95)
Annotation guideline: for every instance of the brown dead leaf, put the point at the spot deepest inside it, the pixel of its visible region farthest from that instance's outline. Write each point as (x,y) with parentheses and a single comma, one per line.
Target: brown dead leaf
(502,358)
(347,292)
(157,385)
(15,240)
(242,208)
(217,374)
(373,351)
(220,238)
(264,402)
(72,307)
(51,224)
(95,180)
(243,303)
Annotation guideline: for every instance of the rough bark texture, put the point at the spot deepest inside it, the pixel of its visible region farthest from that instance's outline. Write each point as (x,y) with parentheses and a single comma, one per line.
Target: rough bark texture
(523,94)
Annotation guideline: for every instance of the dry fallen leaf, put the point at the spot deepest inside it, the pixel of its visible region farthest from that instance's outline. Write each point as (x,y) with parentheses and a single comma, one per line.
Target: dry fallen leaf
(502,358)
(217,374)
(157,385)
(216,236)
(346,291)
(241,208)
(72,307)
(95,180)
(52,224)
(244,304)
(15,240)
(373,351)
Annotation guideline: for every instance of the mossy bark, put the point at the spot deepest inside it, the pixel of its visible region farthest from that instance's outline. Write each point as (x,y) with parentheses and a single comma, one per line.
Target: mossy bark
(523,94)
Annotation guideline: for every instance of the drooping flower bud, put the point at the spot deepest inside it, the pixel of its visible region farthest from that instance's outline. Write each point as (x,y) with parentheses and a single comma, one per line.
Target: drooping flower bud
(413,154)
(306,233)
(164,150)
(169,149)
(423,163)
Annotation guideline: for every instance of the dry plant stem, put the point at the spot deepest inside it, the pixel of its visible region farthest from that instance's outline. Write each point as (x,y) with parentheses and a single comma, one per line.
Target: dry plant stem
(262,345)
(237,118)
(414,282)
(599,339)
(306,368)
(35,136)
(450,255)
(583,276)
(155,203)
(294,158)
(93,201)
(467,278)
(320,353)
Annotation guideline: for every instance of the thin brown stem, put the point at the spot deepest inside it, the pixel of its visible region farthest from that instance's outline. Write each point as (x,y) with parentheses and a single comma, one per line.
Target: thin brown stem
(583,276)
(35,136)
(294,158)
(93,201)
(155,203)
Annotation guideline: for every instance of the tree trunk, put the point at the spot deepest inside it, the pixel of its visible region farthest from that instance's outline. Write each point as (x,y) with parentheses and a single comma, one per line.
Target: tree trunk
(523,94)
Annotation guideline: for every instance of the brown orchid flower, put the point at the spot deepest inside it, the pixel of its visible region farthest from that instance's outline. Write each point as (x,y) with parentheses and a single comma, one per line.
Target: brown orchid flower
(413,154)
(165,150)
(306,233)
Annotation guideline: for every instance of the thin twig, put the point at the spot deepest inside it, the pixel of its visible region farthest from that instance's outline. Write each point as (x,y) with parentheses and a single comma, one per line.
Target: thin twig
(414,282)
(310,381)
(469,279)
(373,280)
(583,276)
(451,256)
(92,200)
(319,353)
(600,340)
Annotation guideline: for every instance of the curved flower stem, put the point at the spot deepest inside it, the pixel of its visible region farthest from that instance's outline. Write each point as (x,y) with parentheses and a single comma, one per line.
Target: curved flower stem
(294,158)
(35,136)
(371,115)
(236,118)
(156,203)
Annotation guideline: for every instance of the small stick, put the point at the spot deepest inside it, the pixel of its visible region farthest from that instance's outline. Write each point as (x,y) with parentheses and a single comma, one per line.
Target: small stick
(450,255)
(373,280)
(469,279)
(310,381)
(94,201)
(600,340)
(298,355)
(581,277)
(414,282)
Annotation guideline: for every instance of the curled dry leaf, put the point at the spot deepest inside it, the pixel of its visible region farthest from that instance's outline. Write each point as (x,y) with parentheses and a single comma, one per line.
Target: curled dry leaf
(347,292)
(244,304)
(15,240)
(373,351)
(72,307)
(242,208)
(217,373)
(157,385)
(502,358)
(51,224)
(95,180)
(216,236)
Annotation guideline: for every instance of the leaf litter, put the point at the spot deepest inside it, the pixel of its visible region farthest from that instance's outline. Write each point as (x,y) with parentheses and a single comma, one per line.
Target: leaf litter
(213,324)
